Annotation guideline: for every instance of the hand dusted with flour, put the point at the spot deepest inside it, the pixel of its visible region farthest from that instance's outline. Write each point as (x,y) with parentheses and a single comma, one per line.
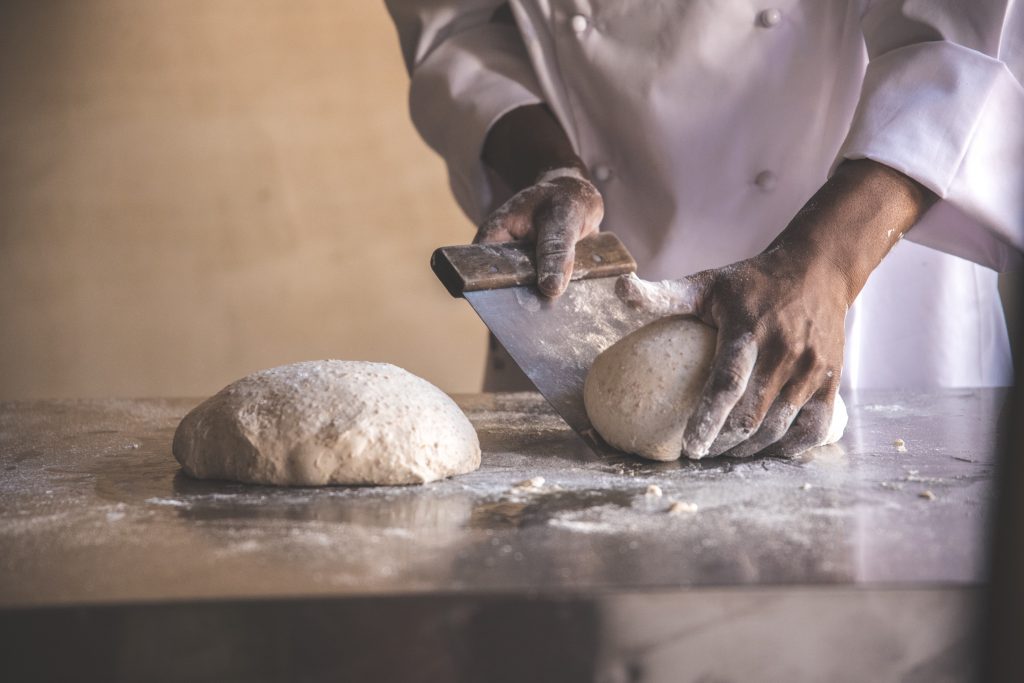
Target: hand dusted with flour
(780,315)
(555,204)
(641,391)
(328,422)
(560,209)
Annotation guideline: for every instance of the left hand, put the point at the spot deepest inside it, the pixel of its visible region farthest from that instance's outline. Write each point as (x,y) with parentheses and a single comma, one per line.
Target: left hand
(781,314)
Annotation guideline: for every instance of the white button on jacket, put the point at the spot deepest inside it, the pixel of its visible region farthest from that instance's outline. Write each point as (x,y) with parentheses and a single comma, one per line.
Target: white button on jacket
(602,173)
(580,23)
(691,101)
(769,17)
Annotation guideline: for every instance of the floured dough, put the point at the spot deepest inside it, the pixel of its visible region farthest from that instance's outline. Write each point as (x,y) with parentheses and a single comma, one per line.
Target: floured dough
(328,422)
(640,392)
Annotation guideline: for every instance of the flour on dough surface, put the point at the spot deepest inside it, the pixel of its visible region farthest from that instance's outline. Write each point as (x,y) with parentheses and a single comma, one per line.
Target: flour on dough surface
(328,422)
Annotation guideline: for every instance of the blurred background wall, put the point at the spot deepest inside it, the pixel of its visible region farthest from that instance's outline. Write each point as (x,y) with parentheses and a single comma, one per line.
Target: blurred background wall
(191,190)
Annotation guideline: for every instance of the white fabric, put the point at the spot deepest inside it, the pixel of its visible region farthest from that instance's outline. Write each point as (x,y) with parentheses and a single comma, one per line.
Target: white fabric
(684,104)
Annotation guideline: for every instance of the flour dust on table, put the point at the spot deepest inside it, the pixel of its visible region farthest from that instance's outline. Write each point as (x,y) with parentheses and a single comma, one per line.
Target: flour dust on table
(328,422)
(640,391)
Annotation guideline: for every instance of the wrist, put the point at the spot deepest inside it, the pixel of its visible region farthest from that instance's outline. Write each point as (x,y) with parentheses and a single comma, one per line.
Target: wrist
(526,143)
(819,266)
(851,223)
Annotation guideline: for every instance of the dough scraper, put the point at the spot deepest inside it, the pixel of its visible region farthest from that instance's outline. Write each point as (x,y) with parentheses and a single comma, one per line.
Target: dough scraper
(554,341)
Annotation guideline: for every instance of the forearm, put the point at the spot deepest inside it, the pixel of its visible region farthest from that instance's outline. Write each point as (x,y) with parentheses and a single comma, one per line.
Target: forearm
(853,221)
(526,142)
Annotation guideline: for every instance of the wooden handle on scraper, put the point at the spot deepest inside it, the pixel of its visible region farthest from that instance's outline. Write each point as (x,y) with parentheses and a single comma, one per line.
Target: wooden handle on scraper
(475,267)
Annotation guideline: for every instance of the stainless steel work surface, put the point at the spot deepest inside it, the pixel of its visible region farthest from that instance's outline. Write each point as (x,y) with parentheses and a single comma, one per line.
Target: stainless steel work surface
(94,509)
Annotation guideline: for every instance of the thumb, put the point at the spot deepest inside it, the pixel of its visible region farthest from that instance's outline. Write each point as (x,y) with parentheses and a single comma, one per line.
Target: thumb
(667,297)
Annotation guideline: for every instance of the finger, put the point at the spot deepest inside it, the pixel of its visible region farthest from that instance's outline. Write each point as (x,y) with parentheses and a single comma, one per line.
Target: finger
(777,420)
(769,377)
(668,297)
(809,429)
(730,372)
(559,224)
(513,220)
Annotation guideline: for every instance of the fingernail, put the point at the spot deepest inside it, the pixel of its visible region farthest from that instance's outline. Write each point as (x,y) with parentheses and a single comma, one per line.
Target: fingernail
(697,436)
(695,449)
(551,284)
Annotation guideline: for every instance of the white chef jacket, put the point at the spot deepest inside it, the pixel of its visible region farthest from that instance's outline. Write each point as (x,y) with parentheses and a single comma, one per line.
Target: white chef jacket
(707,125)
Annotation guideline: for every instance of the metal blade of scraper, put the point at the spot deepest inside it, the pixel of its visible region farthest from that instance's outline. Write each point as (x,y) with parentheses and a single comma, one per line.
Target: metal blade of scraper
(554,341)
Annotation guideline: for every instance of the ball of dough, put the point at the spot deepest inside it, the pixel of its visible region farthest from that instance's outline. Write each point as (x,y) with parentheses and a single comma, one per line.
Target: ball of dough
(640,391)
(328,422)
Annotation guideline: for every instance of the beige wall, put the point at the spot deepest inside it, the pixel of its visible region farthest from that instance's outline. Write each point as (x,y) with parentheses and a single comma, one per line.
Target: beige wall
(191,190)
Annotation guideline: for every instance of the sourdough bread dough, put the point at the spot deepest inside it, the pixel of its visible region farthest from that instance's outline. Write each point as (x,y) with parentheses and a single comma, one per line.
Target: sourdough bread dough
(328,422)
(640,392)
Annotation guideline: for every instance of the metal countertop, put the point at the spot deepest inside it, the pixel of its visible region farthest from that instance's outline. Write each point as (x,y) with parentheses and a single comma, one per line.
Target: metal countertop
(94,509)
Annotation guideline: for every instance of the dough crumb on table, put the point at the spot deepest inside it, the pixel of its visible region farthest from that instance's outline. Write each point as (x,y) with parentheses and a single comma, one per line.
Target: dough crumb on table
(901,445)
(680,507)
(532,483)
(653,490)
(926,494)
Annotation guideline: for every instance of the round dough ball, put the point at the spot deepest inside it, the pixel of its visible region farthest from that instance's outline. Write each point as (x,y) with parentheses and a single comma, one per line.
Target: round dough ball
(328,422)
(640,391)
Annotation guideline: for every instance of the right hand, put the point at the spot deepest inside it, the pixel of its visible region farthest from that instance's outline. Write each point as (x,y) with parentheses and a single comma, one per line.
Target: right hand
(559,209)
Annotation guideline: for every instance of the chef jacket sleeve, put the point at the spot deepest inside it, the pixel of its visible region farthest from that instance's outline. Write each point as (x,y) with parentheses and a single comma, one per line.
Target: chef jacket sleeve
(468,67)
(942,102)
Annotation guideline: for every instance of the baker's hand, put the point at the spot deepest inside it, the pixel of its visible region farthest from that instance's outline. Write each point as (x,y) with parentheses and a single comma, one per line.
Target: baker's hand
(555,205)
(775,374)
(561,208)
(781,315)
